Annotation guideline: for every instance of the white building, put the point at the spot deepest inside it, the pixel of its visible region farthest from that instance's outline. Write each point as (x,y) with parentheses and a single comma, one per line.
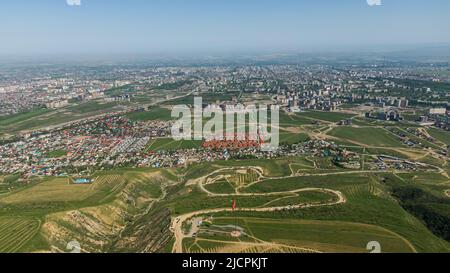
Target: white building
(438,111)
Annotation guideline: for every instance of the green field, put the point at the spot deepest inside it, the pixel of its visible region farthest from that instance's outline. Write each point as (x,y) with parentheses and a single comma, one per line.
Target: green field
(367,136)
(156,113)
(271,167)
(326,116)
(368,201)
(306,197)
(15,232)
(299,166)
(169,144)
(292,138)
(12,182)
(221,186)
(440,135)
(51,190)
(12,119)
(370,211)
(92,106)
(106,204)
(197,200)
(326,236)
(58,194)
(294,120)
(293,183)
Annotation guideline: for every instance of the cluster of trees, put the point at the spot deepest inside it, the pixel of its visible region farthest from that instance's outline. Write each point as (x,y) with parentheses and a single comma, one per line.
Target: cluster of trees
(423,205)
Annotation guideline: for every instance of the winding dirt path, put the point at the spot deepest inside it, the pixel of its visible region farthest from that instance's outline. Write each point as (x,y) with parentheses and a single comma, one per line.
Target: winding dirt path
(177,223)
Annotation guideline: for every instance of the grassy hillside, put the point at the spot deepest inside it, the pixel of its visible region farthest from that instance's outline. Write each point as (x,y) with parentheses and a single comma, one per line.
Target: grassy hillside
(48,215)
(326,236)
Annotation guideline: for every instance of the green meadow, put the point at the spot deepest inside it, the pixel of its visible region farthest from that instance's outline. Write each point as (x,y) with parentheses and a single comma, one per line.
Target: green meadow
(370,136)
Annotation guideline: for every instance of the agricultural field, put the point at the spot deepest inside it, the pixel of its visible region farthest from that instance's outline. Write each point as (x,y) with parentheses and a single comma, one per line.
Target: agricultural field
(51,190)
(241,178)
(15,232)
(55,211)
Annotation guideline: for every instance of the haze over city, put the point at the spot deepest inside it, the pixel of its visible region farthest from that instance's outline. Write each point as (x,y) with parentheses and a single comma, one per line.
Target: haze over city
(50,27)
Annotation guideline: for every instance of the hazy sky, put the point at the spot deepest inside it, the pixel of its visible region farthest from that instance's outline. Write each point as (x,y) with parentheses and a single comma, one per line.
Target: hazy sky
(148,26)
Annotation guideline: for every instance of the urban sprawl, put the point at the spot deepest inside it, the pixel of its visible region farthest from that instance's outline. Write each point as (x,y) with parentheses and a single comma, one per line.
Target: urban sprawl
(112,139)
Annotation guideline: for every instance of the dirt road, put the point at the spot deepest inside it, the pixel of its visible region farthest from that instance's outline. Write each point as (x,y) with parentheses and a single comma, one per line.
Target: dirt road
(177,223)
